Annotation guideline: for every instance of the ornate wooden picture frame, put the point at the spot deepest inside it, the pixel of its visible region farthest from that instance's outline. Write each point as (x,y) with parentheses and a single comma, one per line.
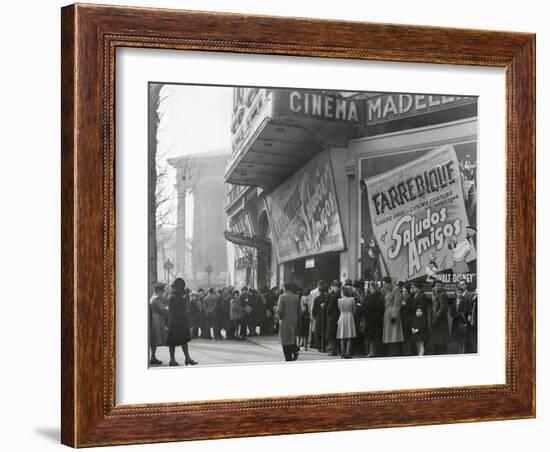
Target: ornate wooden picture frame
(90,37)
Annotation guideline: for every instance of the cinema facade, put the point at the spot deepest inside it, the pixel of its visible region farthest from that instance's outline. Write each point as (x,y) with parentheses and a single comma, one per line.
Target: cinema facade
(337,185)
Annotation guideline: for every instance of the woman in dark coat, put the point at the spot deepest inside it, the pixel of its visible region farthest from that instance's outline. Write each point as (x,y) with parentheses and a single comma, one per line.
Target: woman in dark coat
(372,313)
(178,325)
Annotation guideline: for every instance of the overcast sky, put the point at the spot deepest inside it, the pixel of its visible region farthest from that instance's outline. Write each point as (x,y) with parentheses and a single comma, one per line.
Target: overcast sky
(196,120)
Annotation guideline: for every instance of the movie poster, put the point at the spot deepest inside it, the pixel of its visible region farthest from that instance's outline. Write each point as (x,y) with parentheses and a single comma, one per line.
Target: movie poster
(304,212)
(419,219)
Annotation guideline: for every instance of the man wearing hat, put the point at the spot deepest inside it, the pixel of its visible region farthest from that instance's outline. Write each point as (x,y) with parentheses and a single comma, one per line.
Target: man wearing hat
(439,333)
(392,332)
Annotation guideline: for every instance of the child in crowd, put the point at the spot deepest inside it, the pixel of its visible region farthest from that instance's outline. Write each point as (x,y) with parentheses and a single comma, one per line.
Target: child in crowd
(305,319)
(419,329)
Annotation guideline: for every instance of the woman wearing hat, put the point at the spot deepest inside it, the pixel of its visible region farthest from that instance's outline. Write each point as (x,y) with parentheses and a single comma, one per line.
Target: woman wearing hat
(178,324)
(157,326)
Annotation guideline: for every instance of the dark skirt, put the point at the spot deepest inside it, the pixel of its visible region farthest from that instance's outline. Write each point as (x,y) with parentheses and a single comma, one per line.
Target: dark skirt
(304,328)
(459,332)
(178,325)
(420,336)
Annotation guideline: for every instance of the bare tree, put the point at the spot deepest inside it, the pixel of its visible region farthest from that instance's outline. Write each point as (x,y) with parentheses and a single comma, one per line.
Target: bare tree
(152,144)
(167,194)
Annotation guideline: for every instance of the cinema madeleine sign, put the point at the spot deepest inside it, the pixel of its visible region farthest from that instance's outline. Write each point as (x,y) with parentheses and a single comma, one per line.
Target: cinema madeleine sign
(253,106)
(390,107)
(361,111)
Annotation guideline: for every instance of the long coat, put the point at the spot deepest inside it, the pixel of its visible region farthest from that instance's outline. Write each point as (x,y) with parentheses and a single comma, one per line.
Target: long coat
(333,314)
(288,310)
(318,313)
(392,332)
(460,313)
(372,311)
(406,315)
(236,311)
(158,320)
(178,324)
(439,332)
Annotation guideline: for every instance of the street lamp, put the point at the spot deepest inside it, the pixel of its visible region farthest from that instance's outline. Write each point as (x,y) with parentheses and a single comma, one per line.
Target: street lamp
(208,269)
(168,266)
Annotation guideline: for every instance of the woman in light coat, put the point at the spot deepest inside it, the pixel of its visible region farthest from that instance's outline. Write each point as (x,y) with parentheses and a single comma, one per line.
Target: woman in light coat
(157,331)
(346,330)
(235,315)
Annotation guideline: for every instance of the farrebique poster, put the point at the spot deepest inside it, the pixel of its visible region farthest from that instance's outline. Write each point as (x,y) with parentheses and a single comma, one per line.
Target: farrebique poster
(419,219)
(304,212)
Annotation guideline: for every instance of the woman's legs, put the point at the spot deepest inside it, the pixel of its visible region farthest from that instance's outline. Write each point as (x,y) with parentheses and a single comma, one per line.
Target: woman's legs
(236,325)
(420,348)
(185,349)
(348,347)
(371,349)
(188,359)
(172,350)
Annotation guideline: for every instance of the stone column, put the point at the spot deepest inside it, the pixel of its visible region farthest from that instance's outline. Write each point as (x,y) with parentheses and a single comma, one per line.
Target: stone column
(180,228)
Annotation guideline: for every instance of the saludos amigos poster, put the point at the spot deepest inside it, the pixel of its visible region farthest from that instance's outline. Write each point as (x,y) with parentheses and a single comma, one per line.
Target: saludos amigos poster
(418,217)
(304,212)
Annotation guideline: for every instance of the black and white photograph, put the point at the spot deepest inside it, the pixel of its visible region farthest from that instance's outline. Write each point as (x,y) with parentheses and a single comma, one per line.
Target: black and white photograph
(261,226)
(292,224)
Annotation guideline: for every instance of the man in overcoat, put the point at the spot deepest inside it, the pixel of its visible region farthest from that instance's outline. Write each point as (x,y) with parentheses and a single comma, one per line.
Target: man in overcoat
(333,313)
(439,332)
(392,332)
(288,310)
(468,297)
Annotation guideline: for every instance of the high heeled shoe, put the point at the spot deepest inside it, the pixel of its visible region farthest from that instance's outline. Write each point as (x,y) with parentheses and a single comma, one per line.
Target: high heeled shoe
(174,363)
(190,362)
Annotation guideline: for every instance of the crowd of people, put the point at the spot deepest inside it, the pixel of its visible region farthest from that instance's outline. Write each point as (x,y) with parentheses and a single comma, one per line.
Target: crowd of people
(354,318)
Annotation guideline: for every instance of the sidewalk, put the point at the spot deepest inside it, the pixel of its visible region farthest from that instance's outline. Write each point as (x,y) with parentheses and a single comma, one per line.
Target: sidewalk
(253,350)
(272,343)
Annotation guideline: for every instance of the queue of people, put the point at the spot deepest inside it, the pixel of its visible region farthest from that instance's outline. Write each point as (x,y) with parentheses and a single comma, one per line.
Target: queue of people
(350,319)
(387,319)
(177,315)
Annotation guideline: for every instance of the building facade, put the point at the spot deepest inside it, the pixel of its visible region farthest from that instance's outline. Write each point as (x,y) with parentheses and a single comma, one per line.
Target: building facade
(201,175)
(337,185)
